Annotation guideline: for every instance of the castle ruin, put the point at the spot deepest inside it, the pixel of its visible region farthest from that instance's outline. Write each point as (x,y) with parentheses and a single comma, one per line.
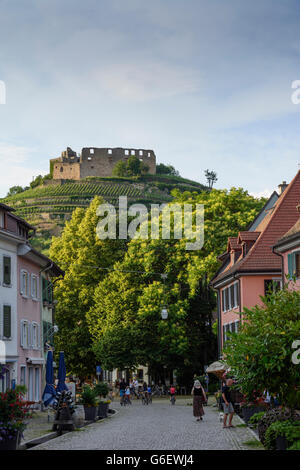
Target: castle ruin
(96,162)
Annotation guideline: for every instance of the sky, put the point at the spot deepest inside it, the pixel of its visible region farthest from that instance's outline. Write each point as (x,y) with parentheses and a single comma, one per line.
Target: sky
(206,84)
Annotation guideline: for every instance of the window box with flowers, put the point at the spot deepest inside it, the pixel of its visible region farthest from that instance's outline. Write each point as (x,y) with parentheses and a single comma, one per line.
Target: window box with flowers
(13,414)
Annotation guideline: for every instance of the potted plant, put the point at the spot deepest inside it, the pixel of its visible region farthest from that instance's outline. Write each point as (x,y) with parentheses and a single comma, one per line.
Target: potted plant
(102,390)
(89,401)
(13,413)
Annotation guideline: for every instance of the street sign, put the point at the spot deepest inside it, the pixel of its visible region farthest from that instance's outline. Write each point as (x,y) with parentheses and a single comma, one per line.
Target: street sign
(98,370)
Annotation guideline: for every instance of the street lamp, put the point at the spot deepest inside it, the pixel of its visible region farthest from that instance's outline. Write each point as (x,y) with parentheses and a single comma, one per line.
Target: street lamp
(164,313)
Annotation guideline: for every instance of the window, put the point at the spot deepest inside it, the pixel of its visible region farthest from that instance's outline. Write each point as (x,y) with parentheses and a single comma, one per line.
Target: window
(6,270)
(24,283)
(132,152)
(149,154)
(126,152)
(294,264)
(61,169)
(272,285)
(7,321)
(141,152)
(34,335)
(25,334)
(47,291)
(109,151)
(34,286)
(89,158)
(47,332)
(232,327)
(92,151)
(30,383)
(230,297)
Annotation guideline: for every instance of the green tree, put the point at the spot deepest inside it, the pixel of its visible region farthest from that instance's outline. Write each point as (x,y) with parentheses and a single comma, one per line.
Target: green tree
(134,167)
(260,355)
(79,252)
(15,190)
(162,169)
(129,300)
(211,177)
(120,169)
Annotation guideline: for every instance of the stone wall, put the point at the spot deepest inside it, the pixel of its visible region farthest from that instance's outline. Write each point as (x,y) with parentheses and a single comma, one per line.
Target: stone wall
(97,162)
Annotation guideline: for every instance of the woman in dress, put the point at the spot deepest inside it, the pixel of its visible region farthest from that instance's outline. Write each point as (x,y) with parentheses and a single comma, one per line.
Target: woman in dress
(199,397)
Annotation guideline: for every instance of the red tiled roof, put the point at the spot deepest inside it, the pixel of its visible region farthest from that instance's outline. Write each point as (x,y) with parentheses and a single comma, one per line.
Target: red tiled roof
(248,236)
(276,223)
(233,244)
(295,230)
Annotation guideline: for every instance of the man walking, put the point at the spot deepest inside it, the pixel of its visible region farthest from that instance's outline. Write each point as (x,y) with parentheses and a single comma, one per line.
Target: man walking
(227,405)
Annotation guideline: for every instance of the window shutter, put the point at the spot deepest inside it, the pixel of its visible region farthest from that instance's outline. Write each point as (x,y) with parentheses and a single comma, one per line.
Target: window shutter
(22,334)
(7,270)
(30,335)
(21,282)
(39,337)
(7,321)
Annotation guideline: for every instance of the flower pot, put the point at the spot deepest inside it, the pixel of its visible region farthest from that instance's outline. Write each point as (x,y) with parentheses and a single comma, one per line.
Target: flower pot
(249,411)
(281,443)
(102,410)
(10,444)
(90,413)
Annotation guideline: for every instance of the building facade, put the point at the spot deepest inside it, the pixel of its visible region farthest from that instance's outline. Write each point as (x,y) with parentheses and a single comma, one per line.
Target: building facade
(22,306)
(96,162)
(250,266)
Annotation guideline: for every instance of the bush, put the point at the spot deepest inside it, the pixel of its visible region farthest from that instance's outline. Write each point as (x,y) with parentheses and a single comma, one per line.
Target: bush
(288,429)
(295,446)
(270,417)
(254,420)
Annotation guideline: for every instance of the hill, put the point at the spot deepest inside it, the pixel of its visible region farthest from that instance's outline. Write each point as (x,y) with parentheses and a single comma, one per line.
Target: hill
(49,205)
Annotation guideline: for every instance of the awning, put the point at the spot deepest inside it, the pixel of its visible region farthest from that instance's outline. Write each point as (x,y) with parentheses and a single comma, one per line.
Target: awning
(217,368)
(35,360)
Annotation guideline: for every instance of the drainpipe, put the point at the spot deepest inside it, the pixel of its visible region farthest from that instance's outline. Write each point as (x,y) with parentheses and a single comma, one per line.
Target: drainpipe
(282,265)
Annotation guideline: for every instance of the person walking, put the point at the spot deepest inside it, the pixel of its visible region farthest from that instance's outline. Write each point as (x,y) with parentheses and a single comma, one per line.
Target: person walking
(228,404)
(199,397)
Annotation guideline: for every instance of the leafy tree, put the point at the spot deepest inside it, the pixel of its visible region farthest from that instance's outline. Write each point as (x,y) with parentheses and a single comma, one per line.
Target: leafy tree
(162,169)
(15,190)
(260,355)
(79,252)
(120,169)
(128,302)
(211,177)
(133,166)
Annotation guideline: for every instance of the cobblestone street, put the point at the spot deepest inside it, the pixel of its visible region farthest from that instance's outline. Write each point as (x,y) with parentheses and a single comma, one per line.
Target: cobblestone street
(159,426)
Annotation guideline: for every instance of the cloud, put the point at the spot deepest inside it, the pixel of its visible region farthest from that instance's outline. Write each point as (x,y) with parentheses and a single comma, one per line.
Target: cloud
(15,168)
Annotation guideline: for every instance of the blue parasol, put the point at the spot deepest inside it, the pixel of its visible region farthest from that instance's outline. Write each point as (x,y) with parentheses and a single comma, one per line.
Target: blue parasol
(61,386)
(49,392)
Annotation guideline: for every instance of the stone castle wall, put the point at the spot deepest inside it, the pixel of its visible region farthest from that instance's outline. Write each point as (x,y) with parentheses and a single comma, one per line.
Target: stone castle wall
(97,162)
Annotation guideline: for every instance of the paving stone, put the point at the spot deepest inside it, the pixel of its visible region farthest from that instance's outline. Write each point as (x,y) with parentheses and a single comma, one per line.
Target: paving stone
(158,426)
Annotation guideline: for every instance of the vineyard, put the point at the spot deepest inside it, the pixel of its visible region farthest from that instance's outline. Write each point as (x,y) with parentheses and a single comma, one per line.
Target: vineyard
(48,207)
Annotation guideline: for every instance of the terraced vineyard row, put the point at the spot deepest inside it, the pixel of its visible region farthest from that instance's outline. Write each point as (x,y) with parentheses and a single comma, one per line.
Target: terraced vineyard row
(72,189)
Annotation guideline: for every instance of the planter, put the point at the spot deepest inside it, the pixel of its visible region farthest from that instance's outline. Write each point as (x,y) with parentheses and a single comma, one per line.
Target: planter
(10,444)
(102,410)
(90,413)
(281,443)
(247,412)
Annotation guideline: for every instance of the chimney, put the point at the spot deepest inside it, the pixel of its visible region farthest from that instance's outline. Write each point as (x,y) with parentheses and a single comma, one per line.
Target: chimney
(282,187)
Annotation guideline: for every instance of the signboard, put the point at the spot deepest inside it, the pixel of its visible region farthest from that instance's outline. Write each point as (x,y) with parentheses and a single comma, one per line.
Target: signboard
(72,387)
(98,370)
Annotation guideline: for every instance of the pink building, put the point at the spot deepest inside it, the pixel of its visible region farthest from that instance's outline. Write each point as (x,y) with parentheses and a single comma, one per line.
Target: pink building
(289,248)
(35,308)
(250,266)
(30,353)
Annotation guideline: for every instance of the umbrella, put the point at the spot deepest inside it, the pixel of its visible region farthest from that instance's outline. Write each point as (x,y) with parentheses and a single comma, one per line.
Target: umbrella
(49,392)
(61,386)
(217,368)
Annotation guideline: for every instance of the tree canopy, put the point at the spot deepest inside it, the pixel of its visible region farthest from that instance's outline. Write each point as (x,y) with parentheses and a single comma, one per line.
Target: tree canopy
(260,355)
(133,167)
